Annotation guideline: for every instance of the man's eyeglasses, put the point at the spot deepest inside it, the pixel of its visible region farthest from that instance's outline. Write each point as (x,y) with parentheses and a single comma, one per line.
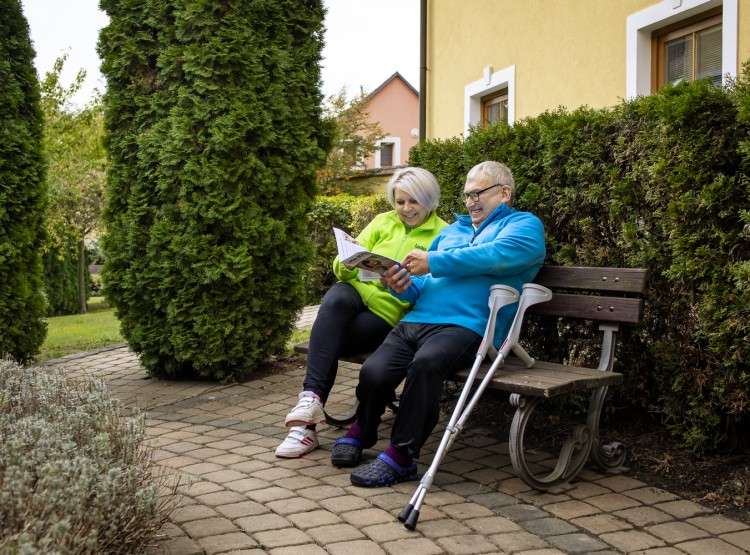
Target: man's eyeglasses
(474,195)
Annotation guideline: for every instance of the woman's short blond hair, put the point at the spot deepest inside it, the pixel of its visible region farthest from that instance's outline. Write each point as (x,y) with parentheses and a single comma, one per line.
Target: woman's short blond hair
(419,184)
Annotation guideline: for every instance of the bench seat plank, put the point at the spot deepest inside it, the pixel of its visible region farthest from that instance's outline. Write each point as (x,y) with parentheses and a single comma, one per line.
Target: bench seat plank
(545,379)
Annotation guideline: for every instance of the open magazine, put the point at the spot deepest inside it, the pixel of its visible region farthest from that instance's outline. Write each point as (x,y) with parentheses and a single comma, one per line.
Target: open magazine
(353,255)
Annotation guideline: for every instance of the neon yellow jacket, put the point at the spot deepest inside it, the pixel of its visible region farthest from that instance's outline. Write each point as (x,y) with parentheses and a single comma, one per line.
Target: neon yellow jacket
(386,234)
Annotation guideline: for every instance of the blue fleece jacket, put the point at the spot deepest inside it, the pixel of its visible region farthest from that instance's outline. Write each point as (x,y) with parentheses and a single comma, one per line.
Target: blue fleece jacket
(508,248)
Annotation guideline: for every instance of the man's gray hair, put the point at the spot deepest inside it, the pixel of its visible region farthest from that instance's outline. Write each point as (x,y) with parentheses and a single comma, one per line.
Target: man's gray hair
(497,173)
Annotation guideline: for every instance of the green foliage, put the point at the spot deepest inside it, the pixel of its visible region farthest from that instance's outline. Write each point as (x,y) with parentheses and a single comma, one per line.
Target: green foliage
(22,191)
(76,476)
(61,280)
(77,165)
(445,159)
(215,133)
(659,182)
(346,212)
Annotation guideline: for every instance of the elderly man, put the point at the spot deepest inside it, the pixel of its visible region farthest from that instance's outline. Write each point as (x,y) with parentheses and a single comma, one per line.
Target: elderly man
(448,287)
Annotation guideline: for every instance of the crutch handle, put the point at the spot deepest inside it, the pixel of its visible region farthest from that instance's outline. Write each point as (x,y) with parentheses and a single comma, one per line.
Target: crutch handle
(531,294)
(500,296)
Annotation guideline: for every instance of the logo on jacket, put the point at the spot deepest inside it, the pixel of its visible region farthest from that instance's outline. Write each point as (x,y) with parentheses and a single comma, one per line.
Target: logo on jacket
(420,247)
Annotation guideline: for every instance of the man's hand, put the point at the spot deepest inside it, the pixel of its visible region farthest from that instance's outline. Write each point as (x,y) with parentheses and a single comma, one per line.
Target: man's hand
(417,262)
(396,278)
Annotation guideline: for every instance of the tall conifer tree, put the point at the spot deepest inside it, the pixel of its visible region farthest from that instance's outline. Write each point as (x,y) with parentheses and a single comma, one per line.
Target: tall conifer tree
(213,119)
(22,191)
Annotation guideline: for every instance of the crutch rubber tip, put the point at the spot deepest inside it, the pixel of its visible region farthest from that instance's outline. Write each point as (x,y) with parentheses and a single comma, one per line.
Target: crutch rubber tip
(411,521)
(404,514)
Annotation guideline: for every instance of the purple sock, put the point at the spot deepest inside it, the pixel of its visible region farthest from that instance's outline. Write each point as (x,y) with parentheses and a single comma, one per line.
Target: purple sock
(398,455)
(354,431)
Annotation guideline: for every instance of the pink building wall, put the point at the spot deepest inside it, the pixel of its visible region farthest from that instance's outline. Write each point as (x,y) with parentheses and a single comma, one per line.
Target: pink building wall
(395,105)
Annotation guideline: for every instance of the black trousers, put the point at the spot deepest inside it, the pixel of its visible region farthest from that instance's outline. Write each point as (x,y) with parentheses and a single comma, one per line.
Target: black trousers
(344,325)
(424,355)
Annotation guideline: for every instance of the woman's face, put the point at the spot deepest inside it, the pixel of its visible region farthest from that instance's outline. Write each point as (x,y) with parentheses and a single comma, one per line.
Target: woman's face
(409,210)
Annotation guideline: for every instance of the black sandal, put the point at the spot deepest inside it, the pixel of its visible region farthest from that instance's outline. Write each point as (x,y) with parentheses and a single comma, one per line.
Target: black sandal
(346,452)
(383,471)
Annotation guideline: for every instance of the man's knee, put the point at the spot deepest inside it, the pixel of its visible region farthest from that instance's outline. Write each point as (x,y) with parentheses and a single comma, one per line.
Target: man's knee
(430,367)
(371,376)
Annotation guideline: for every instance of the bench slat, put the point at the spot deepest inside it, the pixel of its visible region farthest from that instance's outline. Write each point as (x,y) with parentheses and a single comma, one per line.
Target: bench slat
(545,379)
(591,307)
(623,280)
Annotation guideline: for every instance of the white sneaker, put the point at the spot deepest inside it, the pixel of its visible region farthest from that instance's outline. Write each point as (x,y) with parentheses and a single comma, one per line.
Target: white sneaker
(298,443)
(309,410)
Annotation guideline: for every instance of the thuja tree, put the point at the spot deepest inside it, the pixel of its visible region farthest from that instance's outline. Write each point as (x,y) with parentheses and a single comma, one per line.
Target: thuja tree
(22,191)
(213,125)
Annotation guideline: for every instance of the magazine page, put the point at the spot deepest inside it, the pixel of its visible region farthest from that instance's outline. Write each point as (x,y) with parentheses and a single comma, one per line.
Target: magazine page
(353,255)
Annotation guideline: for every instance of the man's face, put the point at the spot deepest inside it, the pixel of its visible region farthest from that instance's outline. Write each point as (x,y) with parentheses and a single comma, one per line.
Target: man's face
(491,195)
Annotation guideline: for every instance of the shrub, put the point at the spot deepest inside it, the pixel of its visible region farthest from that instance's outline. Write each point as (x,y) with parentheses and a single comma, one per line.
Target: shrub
(215,132)
(22,191)
(61,280)
(75,475)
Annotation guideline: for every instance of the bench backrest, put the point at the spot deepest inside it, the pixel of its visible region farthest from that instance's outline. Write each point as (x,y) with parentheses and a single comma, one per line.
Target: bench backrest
(603,294)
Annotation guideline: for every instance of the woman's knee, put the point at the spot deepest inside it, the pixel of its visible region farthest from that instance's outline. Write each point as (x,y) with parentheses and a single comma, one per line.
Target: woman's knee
(342,296)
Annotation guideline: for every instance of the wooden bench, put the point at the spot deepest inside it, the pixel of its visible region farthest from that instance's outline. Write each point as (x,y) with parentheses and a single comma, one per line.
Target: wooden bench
(609,296)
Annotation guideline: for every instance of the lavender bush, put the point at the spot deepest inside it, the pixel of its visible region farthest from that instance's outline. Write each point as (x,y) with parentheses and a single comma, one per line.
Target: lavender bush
(76,475)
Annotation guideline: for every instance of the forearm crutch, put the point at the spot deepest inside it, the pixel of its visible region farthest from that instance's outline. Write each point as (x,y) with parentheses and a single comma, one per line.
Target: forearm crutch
(500,295)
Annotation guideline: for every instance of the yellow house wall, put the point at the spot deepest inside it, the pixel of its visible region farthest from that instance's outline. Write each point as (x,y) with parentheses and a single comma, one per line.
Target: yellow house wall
(566,53)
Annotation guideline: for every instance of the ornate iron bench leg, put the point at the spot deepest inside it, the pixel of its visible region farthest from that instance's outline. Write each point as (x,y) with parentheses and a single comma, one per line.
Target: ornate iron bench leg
(344,419)
(351,415)
(607,456)
(573,453)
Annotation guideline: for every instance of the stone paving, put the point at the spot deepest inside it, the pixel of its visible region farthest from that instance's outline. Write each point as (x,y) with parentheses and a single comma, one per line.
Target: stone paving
(238,498)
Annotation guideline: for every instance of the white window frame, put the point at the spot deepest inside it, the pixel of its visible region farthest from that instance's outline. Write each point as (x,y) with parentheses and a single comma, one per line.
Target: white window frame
(490,83)
(396,141)
(641,25)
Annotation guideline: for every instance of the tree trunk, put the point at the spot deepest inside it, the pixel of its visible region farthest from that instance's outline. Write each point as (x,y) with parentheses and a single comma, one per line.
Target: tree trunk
(81,277)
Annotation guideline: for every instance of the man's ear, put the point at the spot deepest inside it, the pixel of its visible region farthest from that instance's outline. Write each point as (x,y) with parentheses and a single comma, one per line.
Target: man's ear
(505,195)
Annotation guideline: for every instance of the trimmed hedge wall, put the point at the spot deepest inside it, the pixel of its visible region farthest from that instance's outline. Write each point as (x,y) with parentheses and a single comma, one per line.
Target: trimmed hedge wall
(659,182)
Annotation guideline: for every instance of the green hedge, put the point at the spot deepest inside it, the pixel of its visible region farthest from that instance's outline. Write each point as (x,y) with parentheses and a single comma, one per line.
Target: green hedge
(659,182)
(61,280)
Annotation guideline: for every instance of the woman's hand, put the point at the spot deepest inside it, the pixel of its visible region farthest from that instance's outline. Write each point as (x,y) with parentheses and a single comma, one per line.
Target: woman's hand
(398,279)
(417,262)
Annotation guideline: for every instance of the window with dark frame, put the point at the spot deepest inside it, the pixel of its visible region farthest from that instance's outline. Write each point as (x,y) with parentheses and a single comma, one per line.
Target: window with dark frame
(689,51)
(495,107)
(386,154)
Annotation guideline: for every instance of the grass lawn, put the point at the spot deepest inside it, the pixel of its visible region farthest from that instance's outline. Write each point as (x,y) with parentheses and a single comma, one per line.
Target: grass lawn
(81,332)
(97,328)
